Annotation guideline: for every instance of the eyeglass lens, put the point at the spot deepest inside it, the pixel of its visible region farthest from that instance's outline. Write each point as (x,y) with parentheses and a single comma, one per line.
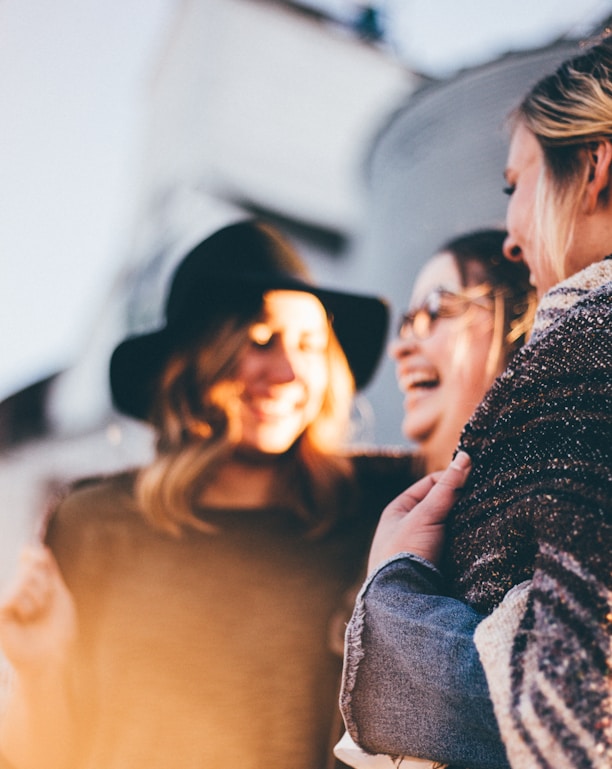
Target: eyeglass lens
(438,304)
(420,321)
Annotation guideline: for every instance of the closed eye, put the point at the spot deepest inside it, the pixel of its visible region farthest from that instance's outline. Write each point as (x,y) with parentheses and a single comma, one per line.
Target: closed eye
(313,345)
(261,335)
(262,344)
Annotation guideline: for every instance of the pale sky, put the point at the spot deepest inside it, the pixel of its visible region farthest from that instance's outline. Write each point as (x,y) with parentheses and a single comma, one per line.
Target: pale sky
(439,36)
(73,79)
(73,75)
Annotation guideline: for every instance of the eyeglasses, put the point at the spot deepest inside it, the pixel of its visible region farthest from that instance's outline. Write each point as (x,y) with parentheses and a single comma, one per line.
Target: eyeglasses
(442,304)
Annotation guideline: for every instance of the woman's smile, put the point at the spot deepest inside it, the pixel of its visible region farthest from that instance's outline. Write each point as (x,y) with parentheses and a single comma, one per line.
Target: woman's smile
(283,372)
(440,355)
(417,383)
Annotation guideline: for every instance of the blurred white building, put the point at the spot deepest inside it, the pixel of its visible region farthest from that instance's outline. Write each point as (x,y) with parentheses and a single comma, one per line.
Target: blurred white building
(265,106)
(254,106)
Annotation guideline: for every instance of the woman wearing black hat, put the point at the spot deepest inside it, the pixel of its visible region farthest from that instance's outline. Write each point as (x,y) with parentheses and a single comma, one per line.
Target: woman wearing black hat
(203,588)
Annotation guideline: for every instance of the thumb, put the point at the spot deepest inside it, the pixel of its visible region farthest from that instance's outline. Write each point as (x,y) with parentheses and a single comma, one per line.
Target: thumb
(443,495)
(456,474)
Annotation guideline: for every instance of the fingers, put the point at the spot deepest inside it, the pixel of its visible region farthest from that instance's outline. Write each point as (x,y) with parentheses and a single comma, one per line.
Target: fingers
(30,593)
(414,521)
(410,497)
(443,494)
(440,488)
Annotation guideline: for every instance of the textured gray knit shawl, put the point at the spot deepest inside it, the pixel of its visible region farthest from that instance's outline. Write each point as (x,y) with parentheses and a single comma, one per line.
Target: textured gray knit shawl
(541,445)
(539,508)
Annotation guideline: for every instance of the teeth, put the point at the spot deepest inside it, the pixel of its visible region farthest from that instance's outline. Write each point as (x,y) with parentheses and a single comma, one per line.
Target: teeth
(419,379)
(272,408)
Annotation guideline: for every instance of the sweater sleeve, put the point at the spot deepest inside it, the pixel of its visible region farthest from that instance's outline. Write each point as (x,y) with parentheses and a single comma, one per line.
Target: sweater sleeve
(547,648)
(547,654)
(413,684)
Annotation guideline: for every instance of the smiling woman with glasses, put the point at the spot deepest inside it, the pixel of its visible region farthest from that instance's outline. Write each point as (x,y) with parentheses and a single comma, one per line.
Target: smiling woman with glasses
(470,310)
(489,586)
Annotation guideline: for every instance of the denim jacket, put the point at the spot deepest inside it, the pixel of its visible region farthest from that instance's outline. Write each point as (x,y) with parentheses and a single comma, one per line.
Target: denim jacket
(413,684)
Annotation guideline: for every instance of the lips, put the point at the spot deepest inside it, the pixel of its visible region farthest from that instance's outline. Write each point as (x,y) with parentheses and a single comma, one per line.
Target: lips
(271,409)
(418,379)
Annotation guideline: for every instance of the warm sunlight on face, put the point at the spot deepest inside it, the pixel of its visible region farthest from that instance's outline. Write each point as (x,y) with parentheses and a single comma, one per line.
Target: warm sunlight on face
(441,362)
(283,372)
(524,167)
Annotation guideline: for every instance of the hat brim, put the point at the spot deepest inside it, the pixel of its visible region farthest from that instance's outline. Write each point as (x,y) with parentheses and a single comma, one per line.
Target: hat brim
(360,323)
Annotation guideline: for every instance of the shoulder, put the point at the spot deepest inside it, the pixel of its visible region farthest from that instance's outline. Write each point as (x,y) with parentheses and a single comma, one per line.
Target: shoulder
(573,309)
(101,487)
(593,310)
(568,351)
(576,348)
(93,500)
(91,527)
(389,470)
(383,461)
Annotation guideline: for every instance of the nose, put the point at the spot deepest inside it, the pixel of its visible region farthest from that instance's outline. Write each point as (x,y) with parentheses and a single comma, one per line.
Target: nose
(512,250)
(281,367)
(403,344)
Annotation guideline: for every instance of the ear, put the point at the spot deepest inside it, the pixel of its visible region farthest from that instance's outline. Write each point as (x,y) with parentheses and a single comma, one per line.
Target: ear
(599,158)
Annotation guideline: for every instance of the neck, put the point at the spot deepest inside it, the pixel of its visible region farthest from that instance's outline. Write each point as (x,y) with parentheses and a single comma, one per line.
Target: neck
(435,460)
(243,482)
(438,448)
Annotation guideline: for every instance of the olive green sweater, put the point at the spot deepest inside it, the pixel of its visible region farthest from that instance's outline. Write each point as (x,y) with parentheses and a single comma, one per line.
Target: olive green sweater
(209,650)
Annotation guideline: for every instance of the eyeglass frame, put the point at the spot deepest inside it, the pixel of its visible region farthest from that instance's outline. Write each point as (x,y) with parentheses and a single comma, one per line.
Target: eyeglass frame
(479,295)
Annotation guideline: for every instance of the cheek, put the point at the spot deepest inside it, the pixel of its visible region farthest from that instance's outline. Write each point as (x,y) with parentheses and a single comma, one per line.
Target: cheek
(513,216)
(446,347)
(316,377)
(520,218)
(314,380)
(247,367)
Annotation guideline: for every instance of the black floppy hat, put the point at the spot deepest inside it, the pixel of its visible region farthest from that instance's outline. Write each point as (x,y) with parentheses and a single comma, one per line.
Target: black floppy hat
(233,266)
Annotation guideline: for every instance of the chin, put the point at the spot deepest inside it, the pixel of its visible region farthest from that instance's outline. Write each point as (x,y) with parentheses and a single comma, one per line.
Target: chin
(274,449)
(269,446)
(417,431)
(271,438)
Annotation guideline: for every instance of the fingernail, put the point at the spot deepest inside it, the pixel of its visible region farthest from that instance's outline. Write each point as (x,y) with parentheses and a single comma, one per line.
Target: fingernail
(461,461)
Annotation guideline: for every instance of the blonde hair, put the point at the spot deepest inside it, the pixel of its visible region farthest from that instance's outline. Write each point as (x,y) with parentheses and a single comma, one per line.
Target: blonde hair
(567,112)
(198,431)
(513,318)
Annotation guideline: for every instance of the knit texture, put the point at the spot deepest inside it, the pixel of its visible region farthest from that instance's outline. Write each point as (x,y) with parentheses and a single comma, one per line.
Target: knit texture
(538,507)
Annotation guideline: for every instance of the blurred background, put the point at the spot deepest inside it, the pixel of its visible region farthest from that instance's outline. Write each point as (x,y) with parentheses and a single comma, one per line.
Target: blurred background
(369,132)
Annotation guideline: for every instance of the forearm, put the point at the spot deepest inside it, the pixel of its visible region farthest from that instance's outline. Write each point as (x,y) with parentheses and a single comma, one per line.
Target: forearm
(37,727)
(413,683)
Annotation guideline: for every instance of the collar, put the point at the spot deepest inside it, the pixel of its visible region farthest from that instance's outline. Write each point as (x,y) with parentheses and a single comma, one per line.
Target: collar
(560,298)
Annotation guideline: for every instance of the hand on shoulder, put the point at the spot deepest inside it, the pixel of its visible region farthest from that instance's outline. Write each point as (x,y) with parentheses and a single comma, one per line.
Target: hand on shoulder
(414,521)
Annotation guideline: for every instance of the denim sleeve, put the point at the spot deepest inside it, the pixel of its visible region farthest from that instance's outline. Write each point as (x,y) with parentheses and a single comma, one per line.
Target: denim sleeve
(413,684)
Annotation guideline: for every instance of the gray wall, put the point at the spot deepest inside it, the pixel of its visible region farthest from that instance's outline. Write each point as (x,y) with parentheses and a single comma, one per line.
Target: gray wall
(435,171)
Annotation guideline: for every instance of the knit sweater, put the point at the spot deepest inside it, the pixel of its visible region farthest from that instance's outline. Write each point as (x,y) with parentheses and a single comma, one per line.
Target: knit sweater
(538,508)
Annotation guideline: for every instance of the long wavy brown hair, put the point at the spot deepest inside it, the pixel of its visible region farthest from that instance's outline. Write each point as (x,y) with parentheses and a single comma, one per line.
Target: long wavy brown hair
(197,432)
